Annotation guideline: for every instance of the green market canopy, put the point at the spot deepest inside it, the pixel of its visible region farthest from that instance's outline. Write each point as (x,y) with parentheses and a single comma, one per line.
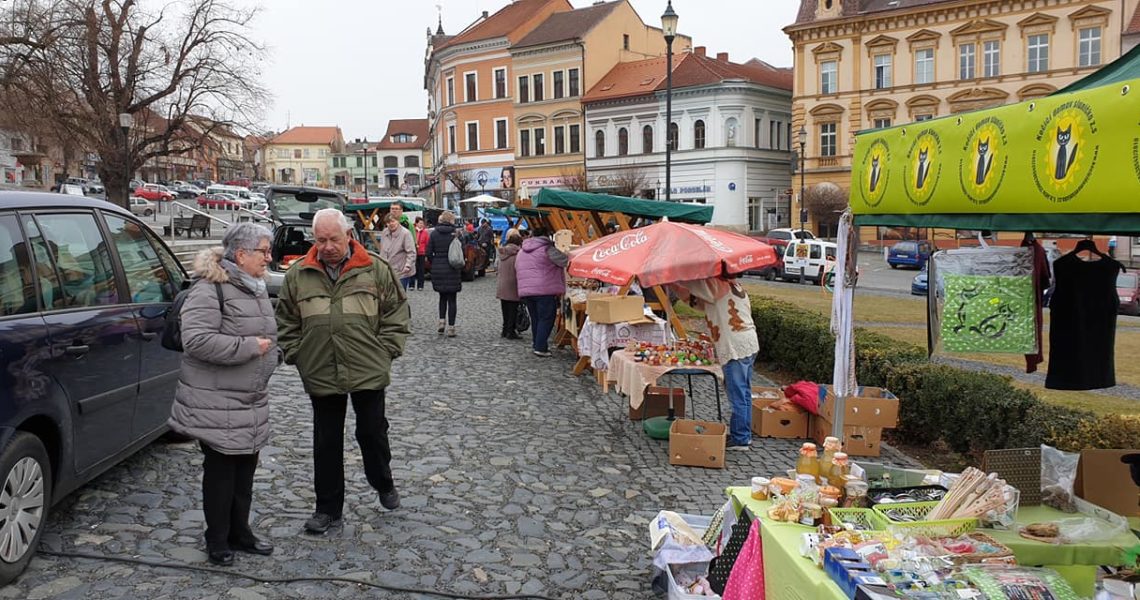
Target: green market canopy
(654,209)
(384,205)
(1066,163)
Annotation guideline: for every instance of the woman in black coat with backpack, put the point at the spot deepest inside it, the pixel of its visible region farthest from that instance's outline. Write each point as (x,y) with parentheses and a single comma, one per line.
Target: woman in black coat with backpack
(445,279)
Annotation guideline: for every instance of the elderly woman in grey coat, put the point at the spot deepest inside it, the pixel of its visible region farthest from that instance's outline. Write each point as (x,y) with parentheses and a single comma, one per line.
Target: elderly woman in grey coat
(229,352)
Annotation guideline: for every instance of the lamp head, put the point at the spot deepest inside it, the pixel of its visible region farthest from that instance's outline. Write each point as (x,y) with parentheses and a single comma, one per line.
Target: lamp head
(803,136)
(669,22)
(126,120)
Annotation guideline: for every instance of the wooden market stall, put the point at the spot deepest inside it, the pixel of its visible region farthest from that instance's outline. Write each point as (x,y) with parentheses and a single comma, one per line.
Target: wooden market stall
(370,215)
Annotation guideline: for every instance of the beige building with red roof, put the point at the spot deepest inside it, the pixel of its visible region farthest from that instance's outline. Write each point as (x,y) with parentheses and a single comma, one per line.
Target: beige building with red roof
(300,155)
(729,132)
(862,64)
(401,154)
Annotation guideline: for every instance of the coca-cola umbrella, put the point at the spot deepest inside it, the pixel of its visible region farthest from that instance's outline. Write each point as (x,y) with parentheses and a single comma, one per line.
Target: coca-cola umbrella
(668,252)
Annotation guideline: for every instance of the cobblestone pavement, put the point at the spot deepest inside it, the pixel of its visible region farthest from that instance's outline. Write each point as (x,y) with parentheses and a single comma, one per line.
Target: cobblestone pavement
(516,477)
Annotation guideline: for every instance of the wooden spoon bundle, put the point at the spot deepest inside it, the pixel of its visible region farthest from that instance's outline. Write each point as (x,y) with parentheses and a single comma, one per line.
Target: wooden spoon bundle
(974,494)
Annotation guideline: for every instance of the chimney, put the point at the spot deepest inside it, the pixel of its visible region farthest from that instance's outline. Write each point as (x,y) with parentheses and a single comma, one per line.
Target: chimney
(722,57)
(699,50)
(486,14)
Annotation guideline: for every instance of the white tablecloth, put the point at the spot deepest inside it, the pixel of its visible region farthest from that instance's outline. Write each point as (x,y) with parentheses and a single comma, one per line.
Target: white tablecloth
(631,377)
(596,339)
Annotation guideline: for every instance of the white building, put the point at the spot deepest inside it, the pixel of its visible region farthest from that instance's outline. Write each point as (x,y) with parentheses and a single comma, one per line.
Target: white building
(732,124)
(401,156)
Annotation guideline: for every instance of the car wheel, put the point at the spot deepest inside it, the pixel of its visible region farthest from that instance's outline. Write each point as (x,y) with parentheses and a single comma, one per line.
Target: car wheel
(148,212)
(24,501)
(893,266)
(770,275)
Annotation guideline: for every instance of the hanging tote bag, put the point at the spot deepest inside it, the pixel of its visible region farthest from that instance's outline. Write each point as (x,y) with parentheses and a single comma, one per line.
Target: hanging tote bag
(455,256)
(522,321)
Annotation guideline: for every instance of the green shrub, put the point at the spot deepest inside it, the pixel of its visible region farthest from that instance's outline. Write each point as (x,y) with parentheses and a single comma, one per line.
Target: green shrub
(969,411)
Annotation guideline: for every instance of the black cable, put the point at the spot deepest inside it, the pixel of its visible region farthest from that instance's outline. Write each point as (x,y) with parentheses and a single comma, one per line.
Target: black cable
(260,579)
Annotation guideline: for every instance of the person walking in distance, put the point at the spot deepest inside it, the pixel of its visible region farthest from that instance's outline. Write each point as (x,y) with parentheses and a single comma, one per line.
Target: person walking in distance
(398,249)
(446,280)
(422,236)
(541,271)
(229,343)
(342,319)
(508,285)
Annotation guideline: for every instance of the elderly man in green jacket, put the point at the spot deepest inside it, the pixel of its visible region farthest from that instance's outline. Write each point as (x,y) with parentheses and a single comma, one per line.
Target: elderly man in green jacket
(342,319)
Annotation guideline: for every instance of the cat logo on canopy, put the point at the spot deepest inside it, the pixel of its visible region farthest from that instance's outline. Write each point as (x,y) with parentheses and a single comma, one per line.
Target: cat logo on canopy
(983,162)
(923,168)
(1066,152)
(876,163)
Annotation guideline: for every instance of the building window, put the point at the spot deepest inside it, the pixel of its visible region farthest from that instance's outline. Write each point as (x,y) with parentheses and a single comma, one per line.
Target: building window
(574,84)
(575,139)
(560,140)
(307,153)
(600,144)
(524,90)
(880,123)
(539,88)
(924,66)
(775,133)
(540,141)
(625,41)
(558,84)
(673,136)
(391,162)
(699,134)
(991,58)
(472,136)
(1089,54)
(500,133)
(359,162)
(450,91)
(296,153)
(925,117)
(827,74)
(623,142)
(411,162)
(756,132)
(1038,53)
(451,148)
(967,60)
(373,160)
(827,139)
(524,142)
(500,83)
(730,132)
(647,139)
(470,88)
(402,138)
(882,71)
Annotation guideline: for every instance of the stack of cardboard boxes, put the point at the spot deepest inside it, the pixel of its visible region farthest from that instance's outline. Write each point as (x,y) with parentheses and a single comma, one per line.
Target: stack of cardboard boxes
(865,415)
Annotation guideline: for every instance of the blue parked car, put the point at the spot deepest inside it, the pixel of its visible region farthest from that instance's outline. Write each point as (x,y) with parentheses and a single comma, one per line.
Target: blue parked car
(910,254)
(84,380)
(918,286)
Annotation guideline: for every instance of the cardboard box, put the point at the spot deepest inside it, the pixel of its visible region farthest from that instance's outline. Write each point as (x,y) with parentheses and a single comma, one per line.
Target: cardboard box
(767,422)
(1105,481)
(858,440)
(697,443)
(607,308)
(767,394)
(656,403)
(870,406)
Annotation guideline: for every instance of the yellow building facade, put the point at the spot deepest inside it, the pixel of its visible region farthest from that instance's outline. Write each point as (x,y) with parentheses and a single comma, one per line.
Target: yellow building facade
(863,64)
(299,156)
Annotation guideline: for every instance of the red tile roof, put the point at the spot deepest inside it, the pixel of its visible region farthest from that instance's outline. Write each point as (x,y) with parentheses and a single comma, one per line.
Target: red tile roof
(569,25)
(858,7)
(415,127)
(690,69)
(1134,24)
(308,135)
(504,22)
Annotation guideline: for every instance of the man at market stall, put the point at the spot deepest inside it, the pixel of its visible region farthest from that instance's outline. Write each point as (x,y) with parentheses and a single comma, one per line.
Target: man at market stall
(728,314)
(342,319)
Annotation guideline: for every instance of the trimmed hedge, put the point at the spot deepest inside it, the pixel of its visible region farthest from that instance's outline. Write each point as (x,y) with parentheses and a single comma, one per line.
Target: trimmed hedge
(967,410)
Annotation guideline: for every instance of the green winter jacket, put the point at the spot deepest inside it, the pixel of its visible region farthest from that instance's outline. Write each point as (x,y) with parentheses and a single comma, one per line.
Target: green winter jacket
(342,336)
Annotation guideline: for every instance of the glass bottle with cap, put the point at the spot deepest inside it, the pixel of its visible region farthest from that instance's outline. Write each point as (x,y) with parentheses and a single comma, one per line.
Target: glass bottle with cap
(831,445)
(808,463)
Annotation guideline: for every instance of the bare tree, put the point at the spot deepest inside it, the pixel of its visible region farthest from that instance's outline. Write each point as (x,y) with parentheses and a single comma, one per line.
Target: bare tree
(824,200)
(575,179)
(460,180)
(170,66)
(629,181)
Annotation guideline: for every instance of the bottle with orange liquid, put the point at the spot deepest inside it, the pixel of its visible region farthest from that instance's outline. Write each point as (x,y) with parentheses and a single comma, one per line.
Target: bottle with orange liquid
(831,445)
(808,463)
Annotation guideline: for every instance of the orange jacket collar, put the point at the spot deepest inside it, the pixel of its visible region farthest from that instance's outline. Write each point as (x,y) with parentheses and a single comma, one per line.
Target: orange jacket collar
(359,258)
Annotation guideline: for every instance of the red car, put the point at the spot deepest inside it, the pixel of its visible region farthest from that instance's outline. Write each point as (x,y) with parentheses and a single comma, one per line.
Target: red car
(224,201)
(154,192)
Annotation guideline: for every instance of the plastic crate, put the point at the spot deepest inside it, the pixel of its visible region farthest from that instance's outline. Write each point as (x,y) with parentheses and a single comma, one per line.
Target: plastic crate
(676,593)
(919,527)
(865,517)
(873,474)
(874,495)
(699,524)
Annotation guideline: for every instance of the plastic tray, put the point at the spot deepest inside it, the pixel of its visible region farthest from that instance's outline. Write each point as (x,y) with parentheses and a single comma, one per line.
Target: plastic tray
(869,519)
(873,474)
(871,496)
(919,510)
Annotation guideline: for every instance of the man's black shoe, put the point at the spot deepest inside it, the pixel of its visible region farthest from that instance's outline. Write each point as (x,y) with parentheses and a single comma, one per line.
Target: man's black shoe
(320,523)
(222,558)
(255,547)
(390,500)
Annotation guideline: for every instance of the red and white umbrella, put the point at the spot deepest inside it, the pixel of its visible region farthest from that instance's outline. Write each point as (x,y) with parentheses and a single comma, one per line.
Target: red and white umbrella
(668,252)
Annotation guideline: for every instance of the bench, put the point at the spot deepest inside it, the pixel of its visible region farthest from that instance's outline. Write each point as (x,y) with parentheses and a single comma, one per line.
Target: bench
(199,223)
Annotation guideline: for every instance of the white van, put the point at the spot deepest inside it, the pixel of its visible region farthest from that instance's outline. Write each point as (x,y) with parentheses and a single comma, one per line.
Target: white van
(812,258)
(241,193)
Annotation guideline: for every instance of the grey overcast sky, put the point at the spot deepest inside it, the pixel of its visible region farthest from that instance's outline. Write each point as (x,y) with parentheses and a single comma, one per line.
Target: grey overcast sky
(359,63)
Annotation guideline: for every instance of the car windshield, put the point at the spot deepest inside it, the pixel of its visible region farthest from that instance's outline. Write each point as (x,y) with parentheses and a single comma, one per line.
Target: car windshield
(288,205)
(905,247)
(804,235)
(1126,280)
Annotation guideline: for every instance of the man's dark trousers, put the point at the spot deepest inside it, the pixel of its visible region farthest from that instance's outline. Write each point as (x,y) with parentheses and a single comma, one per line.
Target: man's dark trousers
(328,446)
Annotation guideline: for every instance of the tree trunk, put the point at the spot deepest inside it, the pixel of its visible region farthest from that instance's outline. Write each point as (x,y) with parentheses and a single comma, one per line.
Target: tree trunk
(117,183)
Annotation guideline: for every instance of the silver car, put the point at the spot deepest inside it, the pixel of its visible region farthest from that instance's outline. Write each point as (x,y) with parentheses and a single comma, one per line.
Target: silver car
(292,208)
(142,206)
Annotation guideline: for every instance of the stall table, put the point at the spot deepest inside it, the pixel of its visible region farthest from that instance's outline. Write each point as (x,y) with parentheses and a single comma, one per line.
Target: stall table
(803,580)
(595,339)
(631,377)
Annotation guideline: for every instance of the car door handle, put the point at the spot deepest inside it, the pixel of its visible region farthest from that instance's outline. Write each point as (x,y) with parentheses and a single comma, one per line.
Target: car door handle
(79,350)
(148,335)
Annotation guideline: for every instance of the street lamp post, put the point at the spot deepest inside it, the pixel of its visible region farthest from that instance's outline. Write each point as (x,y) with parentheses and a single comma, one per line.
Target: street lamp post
(803,187)
(126,121)
(669,27)
(365,151)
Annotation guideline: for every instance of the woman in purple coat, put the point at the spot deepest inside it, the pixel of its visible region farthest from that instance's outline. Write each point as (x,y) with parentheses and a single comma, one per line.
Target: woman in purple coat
(541,272)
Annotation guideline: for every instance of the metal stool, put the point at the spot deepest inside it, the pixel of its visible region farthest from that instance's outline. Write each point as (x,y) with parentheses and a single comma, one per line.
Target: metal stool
(658,427)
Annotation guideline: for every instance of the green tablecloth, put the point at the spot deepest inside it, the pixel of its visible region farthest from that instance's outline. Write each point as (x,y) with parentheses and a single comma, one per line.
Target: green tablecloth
(790,576)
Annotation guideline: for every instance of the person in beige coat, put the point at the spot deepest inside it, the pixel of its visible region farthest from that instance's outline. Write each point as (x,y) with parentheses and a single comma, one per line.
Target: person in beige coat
(229,353)
(398,249)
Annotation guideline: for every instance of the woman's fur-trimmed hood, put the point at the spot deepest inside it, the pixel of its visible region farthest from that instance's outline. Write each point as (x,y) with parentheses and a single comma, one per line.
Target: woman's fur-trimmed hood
(208,266)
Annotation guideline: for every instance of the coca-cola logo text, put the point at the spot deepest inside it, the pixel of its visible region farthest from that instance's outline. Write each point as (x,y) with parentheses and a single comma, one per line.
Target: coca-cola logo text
(713,242)
(628,241)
